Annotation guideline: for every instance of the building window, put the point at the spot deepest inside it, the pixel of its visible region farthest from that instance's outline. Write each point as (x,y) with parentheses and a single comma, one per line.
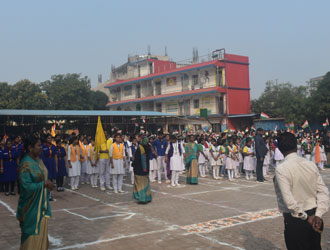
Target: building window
(195,81)
(158,88)
(138,107)
(128,90)
(151,68)
(172,107)
(158,107)
(196,104)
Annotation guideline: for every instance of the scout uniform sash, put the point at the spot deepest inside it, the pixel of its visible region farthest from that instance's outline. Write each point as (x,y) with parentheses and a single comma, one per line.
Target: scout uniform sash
(74,154)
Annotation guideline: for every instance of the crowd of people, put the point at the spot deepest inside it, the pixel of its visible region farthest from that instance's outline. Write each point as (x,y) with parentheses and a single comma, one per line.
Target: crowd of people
(39,163)
(74,160)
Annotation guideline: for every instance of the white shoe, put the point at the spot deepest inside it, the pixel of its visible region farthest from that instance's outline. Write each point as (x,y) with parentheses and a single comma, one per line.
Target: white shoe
(173,185)
(159,182)
(116,192)
(109,187)
(121,191)
(178,185)
(102,188)
(73,189)
(82,183)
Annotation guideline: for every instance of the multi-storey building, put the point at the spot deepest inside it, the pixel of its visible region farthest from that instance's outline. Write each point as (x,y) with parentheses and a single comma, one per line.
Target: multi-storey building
(153,83)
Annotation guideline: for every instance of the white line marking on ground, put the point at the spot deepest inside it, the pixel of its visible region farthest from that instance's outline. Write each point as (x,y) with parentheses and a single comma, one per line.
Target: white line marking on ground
(12,211)
(128,215)
(57,242)
(81,245)
(220,242)
(84,195)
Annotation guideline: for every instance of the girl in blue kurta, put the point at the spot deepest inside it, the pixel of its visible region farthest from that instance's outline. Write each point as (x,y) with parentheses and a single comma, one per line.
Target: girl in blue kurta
(61,163)
(9,176)
(49,157)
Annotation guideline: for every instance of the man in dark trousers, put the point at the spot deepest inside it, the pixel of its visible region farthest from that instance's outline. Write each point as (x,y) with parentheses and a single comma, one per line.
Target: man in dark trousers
(261,151)
(302,197)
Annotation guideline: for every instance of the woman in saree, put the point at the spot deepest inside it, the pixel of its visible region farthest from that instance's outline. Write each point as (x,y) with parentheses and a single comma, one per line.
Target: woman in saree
(191,156)
(141,189)
(33,209)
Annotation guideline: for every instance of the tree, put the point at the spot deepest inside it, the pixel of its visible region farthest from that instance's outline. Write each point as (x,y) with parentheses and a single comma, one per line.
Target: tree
(68,92)
(99,100)
(320,99)
(283,101)
(22,95)
(6,95)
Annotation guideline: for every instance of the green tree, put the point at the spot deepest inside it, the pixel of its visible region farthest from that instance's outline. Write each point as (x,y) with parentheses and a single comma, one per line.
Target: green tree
(23,95)
(283,101)
(320,99)
(68,92)
(6,95)
(99,100)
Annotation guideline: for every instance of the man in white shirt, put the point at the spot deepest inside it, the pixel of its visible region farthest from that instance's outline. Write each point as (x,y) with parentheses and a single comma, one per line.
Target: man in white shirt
(302,197)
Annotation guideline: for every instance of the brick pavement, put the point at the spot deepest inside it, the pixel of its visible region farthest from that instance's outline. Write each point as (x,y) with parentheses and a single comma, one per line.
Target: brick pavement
(211,215)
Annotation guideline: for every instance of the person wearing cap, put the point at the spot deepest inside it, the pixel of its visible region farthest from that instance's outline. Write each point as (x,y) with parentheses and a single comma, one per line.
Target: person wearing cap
(302,197)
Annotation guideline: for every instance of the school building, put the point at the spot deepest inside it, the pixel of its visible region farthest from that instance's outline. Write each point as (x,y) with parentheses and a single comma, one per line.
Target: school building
(219,83)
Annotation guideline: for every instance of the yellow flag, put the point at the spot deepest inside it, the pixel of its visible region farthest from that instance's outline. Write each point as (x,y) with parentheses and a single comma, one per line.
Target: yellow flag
(99,136)
(53,133)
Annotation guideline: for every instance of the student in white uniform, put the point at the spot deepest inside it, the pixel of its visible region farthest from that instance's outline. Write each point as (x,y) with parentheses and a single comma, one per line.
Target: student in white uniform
(203,158)
(216,159)
(249,162)
(267,159)
(92,168)
(231,160)
(153,167)
(74,163)
(132,150)
(175,152)
(118,164)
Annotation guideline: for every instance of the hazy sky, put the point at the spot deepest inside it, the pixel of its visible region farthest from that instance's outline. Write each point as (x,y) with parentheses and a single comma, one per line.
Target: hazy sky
(285,40)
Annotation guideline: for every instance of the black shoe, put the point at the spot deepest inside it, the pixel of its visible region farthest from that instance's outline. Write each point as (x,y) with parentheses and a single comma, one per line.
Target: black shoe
(7,193)
(12,193)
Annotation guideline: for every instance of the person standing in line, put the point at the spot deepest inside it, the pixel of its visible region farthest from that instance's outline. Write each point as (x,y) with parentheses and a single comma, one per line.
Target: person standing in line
(2,188)
(216,160)
(203,158)
(61,163)
(308,148)
(104,164)
(9,157)
(191,161)
(33,210)
(153,169)
(261,151)
(302,197)
(326,143)
(118,164)
(160,145)
(249,162)
(74,163)
(231,160)
(49,157)
(83,143)
(92,169)
(132,150)
(174,156)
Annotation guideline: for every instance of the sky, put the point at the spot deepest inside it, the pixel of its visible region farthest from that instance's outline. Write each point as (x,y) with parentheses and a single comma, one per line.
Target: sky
(284,40)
